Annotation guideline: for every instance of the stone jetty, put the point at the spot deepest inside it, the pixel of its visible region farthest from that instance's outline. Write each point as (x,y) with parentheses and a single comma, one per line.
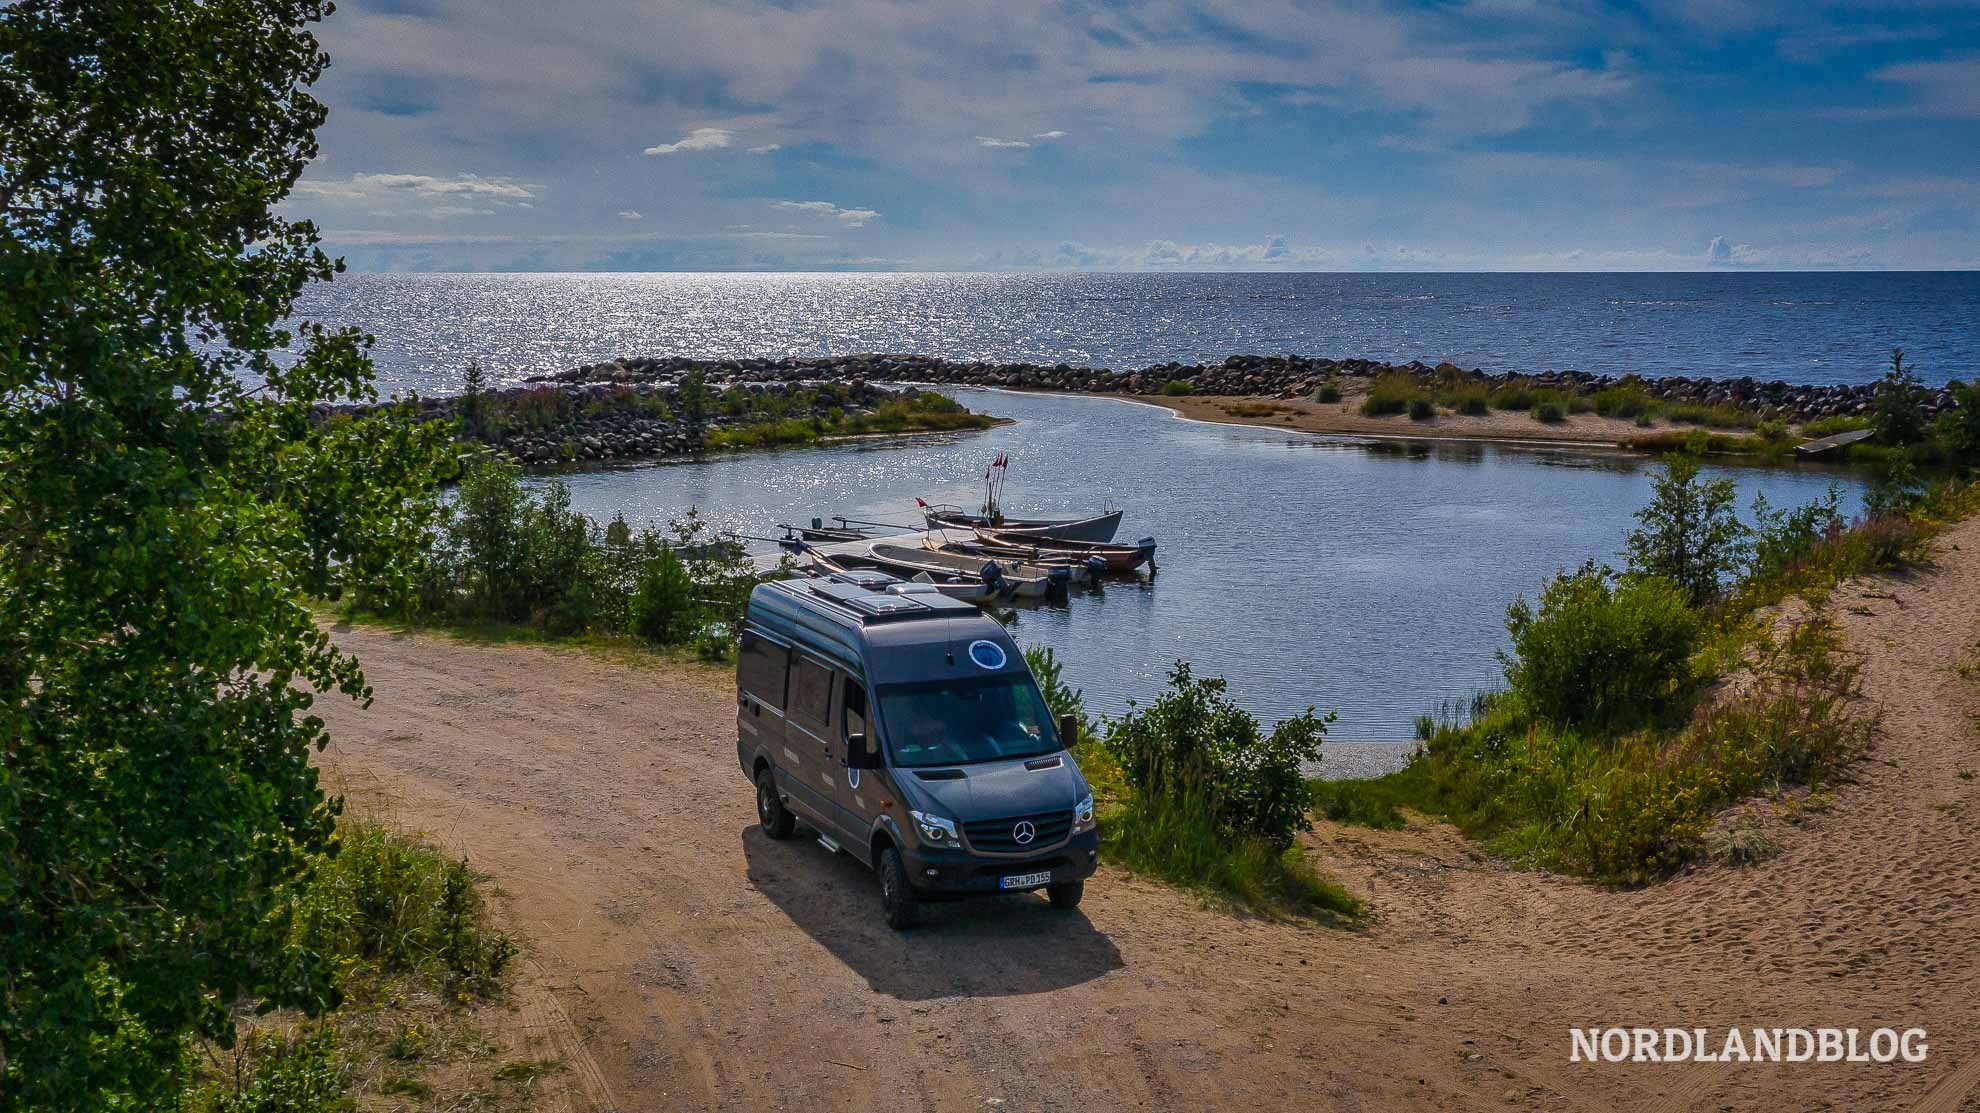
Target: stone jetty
(1262,376)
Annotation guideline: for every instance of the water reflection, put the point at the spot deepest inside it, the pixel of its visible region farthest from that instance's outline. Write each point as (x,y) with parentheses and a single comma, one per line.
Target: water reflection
(1368,576)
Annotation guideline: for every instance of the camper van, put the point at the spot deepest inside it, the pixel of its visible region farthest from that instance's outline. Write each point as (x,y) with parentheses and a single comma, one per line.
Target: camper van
(905,728)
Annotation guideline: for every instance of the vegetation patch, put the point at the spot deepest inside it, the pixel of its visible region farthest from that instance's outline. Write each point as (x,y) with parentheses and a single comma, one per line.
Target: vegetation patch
(1393,393)
(1641,704)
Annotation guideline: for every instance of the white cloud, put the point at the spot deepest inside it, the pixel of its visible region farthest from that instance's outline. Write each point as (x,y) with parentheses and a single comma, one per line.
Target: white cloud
(629,214)
(851,218)
(766,148)
(1943,88)
(1050,135)
(367,186)
(995,143)
(700,139)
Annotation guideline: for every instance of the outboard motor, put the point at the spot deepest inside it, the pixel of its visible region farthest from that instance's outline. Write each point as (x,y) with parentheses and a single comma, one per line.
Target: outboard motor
(1096,565)
(992,574)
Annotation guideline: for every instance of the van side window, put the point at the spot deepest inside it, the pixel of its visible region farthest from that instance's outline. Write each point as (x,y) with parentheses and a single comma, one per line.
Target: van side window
(761,668)
(811,692)
(854,720)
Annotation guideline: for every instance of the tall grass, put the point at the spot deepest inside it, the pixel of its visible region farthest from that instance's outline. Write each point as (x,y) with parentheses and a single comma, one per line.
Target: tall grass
(1393,393)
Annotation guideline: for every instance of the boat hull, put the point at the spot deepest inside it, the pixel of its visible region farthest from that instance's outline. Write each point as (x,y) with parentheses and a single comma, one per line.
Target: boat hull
(1100,528)
(1118,558)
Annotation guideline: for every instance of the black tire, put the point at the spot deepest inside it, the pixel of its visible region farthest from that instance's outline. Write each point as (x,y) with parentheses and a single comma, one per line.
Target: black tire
(898,899)
(776,819)
(1066,895)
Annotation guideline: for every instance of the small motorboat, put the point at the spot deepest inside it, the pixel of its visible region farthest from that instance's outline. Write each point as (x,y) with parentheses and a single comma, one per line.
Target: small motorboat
(855,569)
(911,562)
(824,534)
(1118,558)
(1096,528)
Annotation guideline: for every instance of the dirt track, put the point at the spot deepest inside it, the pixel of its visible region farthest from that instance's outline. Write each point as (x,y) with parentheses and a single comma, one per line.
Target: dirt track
(683,961)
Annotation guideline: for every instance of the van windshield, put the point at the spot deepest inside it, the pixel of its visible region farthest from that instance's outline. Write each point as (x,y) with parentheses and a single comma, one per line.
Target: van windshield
(958,722)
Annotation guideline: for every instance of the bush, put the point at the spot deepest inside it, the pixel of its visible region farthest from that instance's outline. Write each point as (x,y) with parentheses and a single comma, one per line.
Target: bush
(285,1074)
(1392,393)
(1328,391)
(1601,651)
(1898,411)
(1784,539)
(662,607)
(1550,411)
(1960,427)
(1688,533)
(1624,401)
(1421,409)
(1195,748)
(1471,401)
(402,906)
(1178,387)
(1514,394)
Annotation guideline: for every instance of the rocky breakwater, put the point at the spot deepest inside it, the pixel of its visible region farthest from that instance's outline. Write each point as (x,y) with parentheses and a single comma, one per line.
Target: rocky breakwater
(593,422)
(1267,376)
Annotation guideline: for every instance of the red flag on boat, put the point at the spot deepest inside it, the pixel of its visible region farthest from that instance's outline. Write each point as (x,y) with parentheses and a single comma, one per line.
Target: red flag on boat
(921,502)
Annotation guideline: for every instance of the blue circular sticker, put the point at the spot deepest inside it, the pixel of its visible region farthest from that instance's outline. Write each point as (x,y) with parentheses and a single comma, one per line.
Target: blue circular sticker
(988,655)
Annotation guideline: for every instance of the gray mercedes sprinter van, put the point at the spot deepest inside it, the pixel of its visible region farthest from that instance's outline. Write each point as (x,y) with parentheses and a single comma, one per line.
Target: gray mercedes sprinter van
(906,728)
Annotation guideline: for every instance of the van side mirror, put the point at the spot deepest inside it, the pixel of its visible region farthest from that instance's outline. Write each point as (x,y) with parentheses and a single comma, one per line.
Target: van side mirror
(1068,731)
(860,754)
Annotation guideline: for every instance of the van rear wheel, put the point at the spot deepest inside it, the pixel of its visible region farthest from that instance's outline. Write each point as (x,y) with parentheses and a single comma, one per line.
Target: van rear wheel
(1066,895)
(897,898)
(777,820)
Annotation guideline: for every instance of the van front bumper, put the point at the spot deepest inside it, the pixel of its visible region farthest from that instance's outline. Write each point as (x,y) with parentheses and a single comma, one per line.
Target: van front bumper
(938,873)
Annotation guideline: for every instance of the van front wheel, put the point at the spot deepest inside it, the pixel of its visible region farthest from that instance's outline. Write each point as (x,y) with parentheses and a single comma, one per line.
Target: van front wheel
(897,897)
(777,820)
(1066,895)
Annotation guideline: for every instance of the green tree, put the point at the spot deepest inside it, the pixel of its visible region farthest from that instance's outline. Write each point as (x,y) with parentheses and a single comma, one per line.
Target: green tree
(474,399)
(1960,426)
(167,501)
(1898,414)
(692,397)
(1689,532)
(1601,650)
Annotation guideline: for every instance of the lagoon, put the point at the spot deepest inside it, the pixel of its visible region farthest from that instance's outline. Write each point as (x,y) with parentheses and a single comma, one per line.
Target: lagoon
(1368,577)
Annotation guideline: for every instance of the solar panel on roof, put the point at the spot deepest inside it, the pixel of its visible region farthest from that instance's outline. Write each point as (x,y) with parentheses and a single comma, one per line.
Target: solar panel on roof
(868,602)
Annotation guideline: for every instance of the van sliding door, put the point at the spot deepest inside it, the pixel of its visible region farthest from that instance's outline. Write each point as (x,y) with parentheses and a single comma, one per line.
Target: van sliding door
(814,766)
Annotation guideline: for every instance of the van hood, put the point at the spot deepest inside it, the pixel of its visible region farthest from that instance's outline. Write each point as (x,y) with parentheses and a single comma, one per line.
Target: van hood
(994,789)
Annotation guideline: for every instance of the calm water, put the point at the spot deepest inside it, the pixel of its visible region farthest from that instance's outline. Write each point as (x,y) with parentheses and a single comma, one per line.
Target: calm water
(1811,328)
(1365,577)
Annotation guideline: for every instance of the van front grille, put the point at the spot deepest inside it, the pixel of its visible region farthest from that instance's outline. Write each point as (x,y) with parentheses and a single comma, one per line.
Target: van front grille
(1000,836)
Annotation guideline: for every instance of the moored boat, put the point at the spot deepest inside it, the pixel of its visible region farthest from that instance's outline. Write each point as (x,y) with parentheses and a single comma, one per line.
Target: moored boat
(1098,528)
(1118,558)
(852,566)
(900,559)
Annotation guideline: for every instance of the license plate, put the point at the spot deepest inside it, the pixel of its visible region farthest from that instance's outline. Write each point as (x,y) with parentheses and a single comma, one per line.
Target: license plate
(1027,880)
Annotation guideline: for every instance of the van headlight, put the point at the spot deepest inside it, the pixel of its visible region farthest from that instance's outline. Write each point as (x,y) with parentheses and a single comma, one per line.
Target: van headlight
(1083,813)
(937,830)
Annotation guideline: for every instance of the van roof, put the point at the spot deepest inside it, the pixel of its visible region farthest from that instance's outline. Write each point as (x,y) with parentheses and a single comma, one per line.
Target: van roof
(890,631)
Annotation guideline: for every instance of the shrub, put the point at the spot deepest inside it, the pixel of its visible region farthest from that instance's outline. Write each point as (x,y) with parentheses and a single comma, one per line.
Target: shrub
(1959,427)
(1392,394)
(662,606)
(1178,386)
(404,907)
(1896,491)
(1196,749)
(1688,533)
(1600,651)
(299,1073)
(1328,391)
(1898,411)
(1471,401)
(1061,697)
(1784,539)
(1550,411)
(1624,401)
(1421,409)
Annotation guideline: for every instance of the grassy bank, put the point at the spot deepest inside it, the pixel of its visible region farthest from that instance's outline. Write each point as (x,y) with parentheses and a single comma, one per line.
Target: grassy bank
(407,931)
(1638,705)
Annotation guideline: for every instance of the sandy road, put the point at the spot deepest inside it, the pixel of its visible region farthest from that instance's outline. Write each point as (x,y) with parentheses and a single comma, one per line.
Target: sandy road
(687,962)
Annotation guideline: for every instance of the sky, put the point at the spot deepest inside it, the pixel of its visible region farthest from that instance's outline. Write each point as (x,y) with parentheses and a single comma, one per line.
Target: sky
(917,135)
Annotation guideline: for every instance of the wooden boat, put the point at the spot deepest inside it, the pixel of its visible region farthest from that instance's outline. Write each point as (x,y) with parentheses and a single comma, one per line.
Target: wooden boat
(854,569)
(1118,558)
(827,535)
(1097,528)
(903,560)
(1035,561)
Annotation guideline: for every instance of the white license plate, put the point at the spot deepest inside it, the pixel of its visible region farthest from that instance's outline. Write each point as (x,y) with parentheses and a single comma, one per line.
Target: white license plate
(1027,880)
